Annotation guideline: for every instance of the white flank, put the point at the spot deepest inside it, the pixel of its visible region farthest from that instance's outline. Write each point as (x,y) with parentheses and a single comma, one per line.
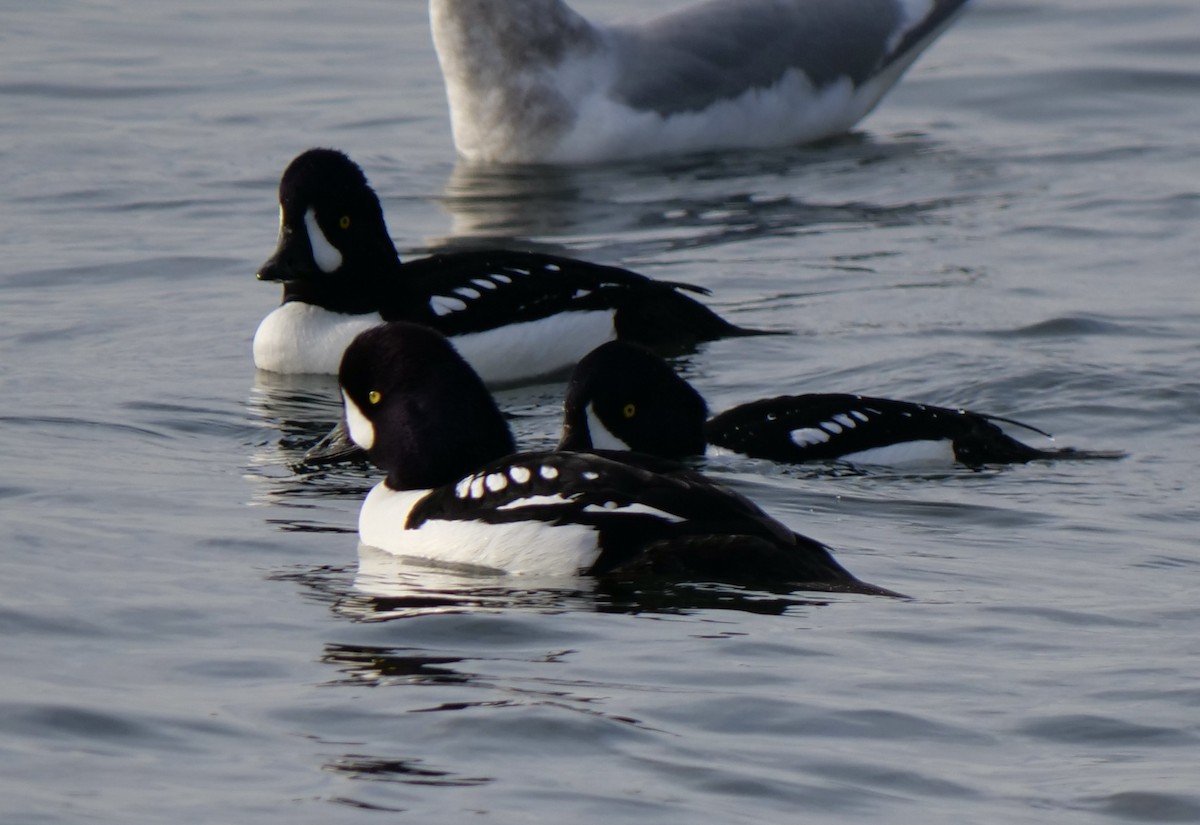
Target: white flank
(300,338)
(530,547)
(939,452)
(791,111)
(602,439)
(362,431)
(325,254)
(519,352)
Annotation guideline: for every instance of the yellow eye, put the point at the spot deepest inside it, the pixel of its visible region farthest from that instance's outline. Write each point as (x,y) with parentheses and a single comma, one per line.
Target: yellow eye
(344,222)
(374,396)
(629,411)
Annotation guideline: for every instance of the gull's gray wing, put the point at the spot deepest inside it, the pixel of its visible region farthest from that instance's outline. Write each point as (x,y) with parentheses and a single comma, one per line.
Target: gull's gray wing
(688,59)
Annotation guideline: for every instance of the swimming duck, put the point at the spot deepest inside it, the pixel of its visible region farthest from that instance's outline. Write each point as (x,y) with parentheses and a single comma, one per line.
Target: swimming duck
(622,397)
(456,493)
(515,316)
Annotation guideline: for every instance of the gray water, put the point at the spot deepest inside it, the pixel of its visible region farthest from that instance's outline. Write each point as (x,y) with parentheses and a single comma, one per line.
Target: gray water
(187,636)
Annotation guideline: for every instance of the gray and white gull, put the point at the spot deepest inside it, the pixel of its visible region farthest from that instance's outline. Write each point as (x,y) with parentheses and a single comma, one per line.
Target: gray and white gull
(532,81)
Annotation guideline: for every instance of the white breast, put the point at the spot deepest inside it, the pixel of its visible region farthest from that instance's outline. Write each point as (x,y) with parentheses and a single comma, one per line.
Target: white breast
(523,547)
(303,338)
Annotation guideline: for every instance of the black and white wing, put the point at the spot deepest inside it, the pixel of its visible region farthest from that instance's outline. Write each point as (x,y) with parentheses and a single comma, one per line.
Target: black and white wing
(649,522)
(827,427)
(464,292)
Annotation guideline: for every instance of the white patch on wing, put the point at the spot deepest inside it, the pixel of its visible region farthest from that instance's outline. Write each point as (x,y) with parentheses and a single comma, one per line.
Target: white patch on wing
(907,452)
(846,421)
(534,501)
(547,346)
(325,254)
(362,431)
(444,304)
(548,473)
(634,507)
(808,436)
(602,439)
(304,338)
(831,427)
(484,283)
(467,292)
(496,482)
(521,475)
(522,547)
(859,415)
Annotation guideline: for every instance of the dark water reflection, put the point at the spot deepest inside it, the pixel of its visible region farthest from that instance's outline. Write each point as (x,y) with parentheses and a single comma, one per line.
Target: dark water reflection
(730,198)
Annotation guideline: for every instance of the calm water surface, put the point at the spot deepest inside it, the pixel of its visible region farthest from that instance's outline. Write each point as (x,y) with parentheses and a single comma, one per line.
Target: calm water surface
(190,634)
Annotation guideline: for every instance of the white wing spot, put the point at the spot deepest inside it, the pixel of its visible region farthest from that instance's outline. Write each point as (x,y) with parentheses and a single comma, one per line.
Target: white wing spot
(484,283)
(635,507)
(846,421)
(462,488)
(467,292)
(500,277)
(591,475)
(859,415)
(809,436)
(521,475)
(477,487)
(534,501)
(520,271)
(581,293)
(443,304)
(552,268)
(496,482)
(830,427)
(548,473)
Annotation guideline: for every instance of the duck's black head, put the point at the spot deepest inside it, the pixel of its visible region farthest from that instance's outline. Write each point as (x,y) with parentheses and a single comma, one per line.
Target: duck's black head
(334,245)
(623,397)
(417,408)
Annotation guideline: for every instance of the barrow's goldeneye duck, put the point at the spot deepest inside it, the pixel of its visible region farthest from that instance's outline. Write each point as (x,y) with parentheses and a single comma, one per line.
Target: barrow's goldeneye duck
(535,82)
(514,316)
(622,397)
(455,492)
